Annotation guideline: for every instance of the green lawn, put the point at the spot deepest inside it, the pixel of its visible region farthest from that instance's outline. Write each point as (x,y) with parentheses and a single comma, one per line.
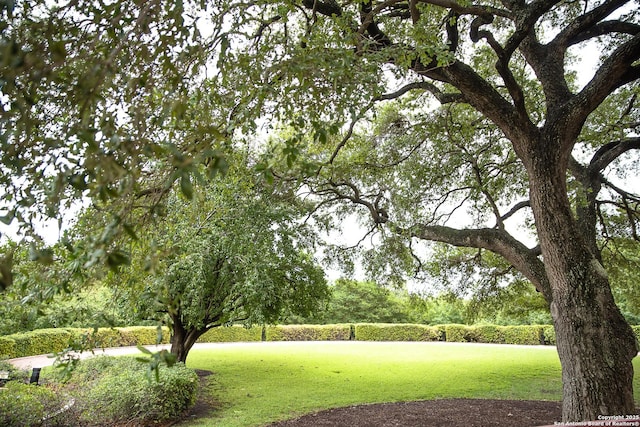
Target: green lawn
(261,382)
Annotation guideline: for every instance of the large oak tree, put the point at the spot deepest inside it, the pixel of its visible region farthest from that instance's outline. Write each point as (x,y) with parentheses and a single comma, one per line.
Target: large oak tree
(512,110)
(94,91)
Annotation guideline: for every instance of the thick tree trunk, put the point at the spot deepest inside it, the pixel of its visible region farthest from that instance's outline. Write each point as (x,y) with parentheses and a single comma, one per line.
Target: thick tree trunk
(596,347)
(182,340)
(594,342)
(178,342)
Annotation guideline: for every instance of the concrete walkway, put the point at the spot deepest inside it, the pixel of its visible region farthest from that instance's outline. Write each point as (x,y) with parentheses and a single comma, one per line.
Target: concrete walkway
(48,359)
(43,360)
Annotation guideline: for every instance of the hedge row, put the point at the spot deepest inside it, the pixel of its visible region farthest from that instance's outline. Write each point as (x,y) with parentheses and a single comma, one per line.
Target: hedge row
(309,333)
(529,334)
(45,341)
(397,332)
(234,333)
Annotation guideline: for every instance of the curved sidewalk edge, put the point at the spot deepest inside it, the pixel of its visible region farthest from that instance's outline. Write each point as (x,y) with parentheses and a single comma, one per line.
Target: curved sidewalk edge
(48,359)
(44,360)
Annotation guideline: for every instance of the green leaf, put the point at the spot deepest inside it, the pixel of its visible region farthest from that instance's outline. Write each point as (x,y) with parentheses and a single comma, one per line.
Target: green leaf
(168,358)
(42,256)
(186,186)
(159,334)
(8,218)
(128,228)
(145,351)
(58,51)
(118,258)
(321,135)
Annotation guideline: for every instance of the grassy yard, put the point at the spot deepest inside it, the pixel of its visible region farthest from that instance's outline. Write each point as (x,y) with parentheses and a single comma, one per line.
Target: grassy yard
(261,382)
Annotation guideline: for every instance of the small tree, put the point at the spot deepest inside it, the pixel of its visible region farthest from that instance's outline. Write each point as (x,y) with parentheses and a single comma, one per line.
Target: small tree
(211,287)
(237,253)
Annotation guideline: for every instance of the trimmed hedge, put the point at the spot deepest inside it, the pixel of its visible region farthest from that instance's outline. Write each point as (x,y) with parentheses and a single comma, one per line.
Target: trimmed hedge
(524,334)
(636,330)
(132,335)
(549,334)
(487,334)
(235,333)
(309,333)
(41,341)
(46,341)
(456,333)
(396,332)
(143,335)
(8,348)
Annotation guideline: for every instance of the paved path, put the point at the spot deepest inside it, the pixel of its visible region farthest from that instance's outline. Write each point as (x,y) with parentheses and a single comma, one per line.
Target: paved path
(48,359)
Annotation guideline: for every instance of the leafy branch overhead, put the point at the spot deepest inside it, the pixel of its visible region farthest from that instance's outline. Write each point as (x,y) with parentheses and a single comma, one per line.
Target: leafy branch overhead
(441,120)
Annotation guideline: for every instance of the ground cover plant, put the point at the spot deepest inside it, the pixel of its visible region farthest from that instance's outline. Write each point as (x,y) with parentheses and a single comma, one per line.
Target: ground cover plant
(101,391)
(121,390)
(256,383)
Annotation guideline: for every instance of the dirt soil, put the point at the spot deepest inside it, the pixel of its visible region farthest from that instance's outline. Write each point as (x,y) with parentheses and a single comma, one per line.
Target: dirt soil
(436,413)
(430,413)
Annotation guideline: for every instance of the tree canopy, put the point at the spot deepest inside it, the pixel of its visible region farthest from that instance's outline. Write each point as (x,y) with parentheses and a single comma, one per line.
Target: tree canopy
(411,110)
(237,252)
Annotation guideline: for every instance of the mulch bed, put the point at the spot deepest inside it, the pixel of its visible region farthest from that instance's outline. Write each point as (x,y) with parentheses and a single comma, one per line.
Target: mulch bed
(436,413)
(428,413)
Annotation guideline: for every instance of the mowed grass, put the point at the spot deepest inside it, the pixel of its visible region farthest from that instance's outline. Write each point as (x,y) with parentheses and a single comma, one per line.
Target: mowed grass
(256,383)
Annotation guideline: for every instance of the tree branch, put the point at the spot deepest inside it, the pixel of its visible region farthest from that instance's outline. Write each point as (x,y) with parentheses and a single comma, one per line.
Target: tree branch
(527,17)
(476,10)
(602,29)
(500,242)
(518,206)
(615,71)
(580,27)
(379,214)
(611,151)
(479,93)
(444,98)
(326,7)
(369,26)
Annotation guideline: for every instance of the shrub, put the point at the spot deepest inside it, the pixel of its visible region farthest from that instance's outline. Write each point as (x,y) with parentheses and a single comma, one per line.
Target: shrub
(7,348)
(549,334)
(309,333)
(142,335)
(23,405)
(22,343)
(636,331)
(396,332)
(526,334)
(46,341)
(235,333)
(40,341)
(15,374)
(119,391)
(457,333)
(442,332)
(105,337)
(486,333)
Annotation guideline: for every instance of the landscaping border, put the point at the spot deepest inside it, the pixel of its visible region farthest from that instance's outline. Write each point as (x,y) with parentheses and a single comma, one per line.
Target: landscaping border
(46,341)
